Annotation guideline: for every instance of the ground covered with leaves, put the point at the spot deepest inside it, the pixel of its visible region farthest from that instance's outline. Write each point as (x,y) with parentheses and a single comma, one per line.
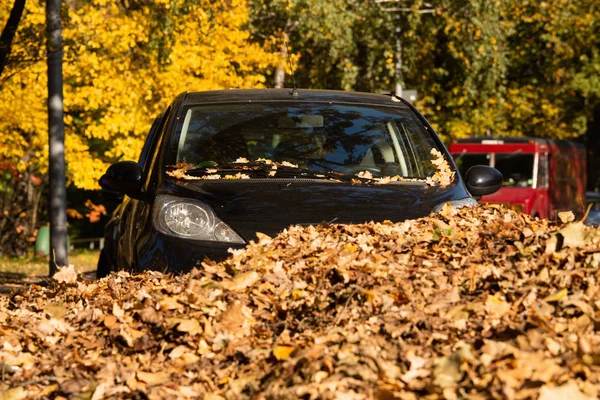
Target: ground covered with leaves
(471,303)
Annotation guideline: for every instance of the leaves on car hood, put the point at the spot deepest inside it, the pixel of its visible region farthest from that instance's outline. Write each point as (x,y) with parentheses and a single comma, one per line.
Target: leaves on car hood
(466,303)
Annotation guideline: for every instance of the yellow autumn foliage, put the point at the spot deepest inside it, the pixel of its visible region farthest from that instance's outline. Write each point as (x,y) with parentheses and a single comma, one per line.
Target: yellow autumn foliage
(124,62)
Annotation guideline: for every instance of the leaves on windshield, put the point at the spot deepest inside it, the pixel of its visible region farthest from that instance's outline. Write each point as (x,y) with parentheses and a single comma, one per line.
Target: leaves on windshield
(289,164)
(444,174)
(442,177)
(239,175)
(474,303)
(179,171)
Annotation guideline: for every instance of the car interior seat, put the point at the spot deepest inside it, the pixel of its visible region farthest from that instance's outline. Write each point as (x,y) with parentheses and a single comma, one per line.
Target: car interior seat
(377,155)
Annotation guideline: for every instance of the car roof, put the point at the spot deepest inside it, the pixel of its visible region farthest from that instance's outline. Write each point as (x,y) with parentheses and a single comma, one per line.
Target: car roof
(304,95)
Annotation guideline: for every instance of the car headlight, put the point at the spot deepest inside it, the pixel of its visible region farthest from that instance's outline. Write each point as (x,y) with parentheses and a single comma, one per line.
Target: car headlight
(190,219)
(466,202)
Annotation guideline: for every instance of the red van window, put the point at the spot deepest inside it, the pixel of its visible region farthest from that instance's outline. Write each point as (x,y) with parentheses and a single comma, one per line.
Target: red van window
(465,161)
(517,169)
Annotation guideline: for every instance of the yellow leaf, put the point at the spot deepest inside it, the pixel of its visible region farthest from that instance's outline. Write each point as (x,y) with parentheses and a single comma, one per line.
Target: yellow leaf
(350,247)
(557,296)
(283,352)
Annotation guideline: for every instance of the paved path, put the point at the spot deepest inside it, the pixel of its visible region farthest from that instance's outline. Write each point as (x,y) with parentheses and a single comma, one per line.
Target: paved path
(10,281)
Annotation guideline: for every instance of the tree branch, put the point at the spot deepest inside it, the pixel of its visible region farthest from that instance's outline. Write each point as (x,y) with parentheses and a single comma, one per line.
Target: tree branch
(9,31)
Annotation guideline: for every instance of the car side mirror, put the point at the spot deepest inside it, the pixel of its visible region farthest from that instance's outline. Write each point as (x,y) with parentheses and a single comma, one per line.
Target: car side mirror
(124,177)
(482,180)
(111,196)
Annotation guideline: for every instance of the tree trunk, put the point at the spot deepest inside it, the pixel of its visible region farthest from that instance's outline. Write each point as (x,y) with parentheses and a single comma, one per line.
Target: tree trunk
(280,70)
(9,31)
(56,135)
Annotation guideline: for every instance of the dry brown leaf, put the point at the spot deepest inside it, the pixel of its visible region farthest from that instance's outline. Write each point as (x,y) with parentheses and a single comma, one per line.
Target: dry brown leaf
(66,274)
(151,316)
(241,281)
(153,378)
(16,393)
(178,352)
(574,234)
(568,391)
(191,326)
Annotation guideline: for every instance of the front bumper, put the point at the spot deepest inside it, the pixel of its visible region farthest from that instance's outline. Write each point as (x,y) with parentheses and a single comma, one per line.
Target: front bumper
(175,255)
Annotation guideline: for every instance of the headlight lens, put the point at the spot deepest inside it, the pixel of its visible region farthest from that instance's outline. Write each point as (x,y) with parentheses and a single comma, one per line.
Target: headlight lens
(190,219)
(187,219)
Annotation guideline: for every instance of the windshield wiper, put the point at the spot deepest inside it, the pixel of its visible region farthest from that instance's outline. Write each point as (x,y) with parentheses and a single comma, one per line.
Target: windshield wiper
(270,171)
(305,173)
(233,167)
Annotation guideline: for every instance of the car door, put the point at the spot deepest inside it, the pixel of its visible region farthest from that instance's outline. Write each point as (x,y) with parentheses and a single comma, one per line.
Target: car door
(129,206)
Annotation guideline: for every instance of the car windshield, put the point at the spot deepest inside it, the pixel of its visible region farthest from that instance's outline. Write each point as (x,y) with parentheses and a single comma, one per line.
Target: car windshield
(324,137)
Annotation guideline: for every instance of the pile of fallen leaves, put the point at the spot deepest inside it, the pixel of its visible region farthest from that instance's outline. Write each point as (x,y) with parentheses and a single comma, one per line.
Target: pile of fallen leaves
(472,303)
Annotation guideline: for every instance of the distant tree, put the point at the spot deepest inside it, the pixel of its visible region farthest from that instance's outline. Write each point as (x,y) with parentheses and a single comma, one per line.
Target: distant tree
(481,67)
(344,44)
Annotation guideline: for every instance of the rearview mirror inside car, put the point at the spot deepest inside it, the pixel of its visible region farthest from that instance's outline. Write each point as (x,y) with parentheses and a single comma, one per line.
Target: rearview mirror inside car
(124,177)
(482,180)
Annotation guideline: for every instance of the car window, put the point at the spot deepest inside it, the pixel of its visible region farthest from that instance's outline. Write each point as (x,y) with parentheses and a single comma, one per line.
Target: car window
(324,137)
(154,144)
(148,143)
(542,173)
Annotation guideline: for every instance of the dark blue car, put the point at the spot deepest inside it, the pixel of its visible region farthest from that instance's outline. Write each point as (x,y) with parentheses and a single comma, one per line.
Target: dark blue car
(220,166)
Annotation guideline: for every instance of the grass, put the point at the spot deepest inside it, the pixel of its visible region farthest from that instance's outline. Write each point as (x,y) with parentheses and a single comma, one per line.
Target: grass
(83,259)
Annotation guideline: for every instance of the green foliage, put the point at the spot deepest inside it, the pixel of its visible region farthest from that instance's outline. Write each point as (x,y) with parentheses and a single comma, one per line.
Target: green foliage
(510,67)
(340,43)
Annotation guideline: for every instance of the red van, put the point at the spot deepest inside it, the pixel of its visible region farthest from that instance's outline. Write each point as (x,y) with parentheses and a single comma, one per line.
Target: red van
(541,177)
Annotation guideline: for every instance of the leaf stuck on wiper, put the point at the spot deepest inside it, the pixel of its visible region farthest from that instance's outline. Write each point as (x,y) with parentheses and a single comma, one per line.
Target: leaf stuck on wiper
(242,167)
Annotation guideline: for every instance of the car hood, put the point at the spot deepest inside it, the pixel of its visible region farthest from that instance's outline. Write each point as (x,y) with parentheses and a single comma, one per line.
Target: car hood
(269,207)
